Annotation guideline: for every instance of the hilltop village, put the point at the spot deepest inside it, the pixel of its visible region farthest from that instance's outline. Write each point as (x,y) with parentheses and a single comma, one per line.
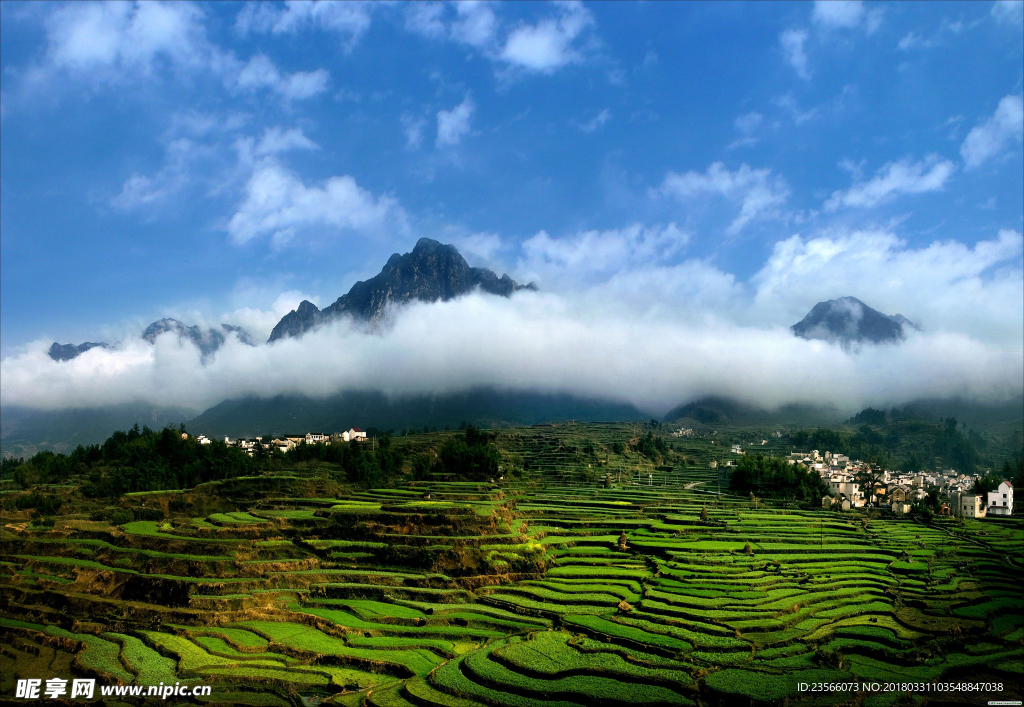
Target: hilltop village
(853,483)
(286,443)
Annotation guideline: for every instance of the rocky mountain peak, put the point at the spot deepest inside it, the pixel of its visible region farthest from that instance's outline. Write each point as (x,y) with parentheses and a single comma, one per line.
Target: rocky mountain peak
(432,272)
(847,320)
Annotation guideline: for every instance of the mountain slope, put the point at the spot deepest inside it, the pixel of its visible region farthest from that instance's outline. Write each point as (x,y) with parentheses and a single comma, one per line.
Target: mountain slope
(431,272)
(848,320)
(718,411)
(484,407)
(24,431)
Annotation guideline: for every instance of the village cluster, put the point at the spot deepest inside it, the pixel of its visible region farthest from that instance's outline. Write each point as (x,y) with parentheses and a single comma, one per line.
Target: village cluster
(900,490)
(286,443)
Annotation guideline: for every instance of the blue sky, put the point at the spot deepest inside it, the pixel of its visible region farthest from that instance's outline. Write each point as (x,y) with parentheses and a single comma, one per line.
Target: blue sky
(219,162)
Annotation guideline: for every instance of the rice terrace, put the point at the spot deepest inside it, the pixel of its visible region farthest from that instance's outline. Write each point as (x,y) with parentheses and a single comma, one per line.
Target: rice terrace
(567,564)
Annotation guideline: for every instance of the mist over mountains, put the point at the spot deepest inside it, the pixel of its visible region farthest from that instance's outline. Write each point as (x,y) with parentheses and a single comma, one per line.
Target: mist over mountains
(433,340)
(432,272)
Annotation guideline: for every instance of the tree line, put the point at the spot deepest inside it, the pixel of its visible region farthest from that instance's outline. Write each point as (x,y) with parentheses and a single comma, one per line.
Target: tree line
(774,477)
(151,460)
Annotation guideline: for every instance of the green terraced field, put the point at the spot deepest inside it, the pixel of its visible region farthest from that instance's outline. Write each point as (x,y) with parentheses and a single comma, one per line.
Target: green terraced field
(548,590)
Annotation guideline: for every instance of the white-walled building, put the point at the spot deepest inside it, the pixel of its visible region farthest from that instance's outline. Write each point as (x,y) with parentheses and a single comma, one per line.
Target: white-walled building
(317,438)
(971,505)
(1000,501)
(848,488)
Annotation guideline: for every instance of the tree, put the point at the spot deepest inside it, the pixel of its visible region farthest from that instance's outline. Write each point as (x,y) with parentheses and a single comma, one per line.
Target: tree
(704,514)
(470,457)
(867,477)
(986,483)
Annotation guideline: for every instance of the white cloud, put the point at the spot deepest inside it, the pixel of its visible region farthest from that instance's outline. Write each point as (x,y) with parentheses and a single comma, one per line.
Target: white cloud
(549,44)
(846,14)
(746,124)
(543,47)
(350,19)
(261,322)
(479,247)
(590,255)
(260,73)
(476,24)
(838,13)
(279,204)
(792,41)
(106,40)
(758,192)
(413,128)
(788,103)
(107,45)
(892,180)
(425,18)
(139,190)
(594,123)
(1008,11)
(856,169)
(945,286)
(912,40)
(276,140)
(996,134)
(634,325)
(587,345)
(453,124)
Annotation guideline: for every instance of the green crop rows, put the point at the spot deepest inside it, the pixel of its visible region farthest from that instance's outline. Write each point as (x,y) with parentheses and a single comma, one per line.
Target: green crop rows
(550,589)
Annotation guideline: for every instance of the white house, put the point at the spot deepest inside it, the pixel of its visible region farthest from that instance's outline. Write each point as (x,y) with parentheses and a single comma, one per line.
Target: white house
(317,438)
(1000,501)
(354,435)
(203,439)
(736,449)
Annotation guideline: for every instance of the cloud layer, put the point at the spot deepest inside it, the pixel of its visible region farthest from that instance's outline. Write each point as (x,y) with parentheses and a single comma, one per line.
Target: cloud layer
(652,333)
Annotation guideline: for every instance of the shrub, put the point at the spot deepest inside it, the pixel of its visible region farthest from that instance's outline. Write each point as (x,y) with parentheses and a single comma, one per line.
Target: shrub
(828,658)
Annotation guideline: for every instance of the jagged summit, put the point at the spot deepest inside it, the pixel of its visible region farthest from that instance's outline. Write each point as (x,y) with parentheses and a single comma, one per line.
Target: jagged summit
(848,320)
(206,341)
(432,271)
(66,352)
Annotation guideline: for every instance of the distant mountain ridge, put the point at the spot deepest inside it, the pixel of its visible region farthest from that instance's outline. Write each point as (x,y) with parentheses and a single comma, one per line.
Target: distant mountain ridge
(847,320)
(207,342)
(66,352)
(432,271)
(721,411)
